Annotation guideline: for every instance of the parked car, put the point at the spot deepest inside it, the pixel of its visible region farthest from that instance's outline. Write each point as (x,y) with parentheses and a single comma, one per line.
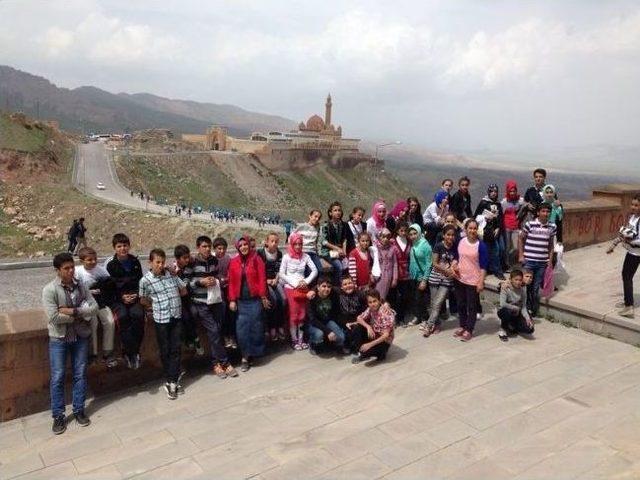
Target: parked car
(100,186)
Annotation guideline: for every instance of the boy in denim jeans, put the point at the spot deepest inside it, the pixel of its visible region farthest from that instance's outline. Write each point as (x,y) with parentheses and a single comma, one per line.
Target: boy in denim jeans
(69,307)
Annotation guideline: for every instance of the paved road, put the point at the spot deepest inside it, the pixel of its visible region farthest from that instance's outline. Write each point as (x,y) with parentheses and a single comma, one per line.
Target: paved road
(94,164)
(562,406)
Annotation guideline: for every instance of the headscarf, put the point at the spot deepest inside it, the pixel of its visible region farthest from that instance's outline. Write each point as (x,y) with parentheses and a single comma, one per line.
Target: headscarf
(440,196)
(398,208)
(294,237)
(547,187)
(247,239)
(380,222)
(420,240)
(510,185)
(384,231)
(492,187)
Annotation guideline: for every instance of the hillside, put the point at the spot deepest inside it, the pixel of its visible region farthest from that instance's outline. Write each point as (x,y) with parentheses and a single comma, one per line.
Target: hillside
(241,182)
(38,202)
(90,109)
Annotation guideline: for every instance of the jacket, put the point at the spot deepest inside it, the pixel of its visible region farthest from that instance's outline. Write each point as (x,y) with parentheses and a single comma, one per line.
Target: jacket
(460,205)
(496,222)
(420,257)
(255,272)
(126,282)
(319,319)
(54,296)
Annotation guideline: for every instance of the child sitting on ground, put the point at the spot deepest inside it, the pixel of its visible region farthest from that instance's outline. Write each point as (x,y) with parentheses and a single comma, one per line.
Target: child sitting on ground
(513,314)
(322,318)
(372,333)
(97,280)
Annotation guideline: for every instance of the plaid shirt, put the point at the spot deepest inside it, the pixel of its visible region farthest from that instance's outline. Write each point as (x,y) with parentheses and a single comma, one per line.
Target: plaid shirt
(164,294)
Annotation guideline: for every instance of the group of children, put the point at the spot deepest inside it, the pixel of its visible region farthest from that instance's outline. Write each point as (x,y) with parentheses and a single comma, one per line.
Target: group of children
(339,285)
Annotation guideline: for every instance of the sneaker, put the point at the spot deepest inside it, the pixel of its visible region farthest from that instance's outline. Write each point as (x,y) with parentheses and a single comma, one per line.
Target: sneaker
(414,321)
(245,366)
(111,361)
(502,335)
(466,336)
(82,419)
(234,345)
(296,346)
(627,312)
(304,345)
(424,326)
(219,370)
(230,371)
(127,361)
(228,342)
(199,347)
(357,358)
(179,386)
(136,362)
(172,390)
(59,425)
(458,332)
(436,330)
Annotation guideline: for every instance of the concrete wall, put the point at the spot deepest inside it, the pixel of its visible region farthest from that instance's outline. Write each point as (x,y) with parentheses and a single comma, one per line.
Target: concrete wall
(599,219)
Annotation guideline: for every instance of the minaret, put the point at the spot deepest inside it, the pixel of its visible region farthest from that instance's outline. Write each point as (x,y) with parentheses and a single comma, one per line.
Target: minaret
(327,113)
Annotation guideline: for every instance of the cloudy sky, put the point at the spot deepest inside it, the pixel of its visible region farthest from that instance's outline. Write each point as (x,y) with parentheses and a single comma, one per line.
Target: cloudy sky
(474,74)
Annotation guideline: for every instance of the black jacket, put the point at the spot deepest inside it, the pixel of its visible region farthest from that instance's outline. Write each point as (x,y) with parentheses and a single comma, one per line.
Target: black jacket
(461,205)
(319,319)
(125,282)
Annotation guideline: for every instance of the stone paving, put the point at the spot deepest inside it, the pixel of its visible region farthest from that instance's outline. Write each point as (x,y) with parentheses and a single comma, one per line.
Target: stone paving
(561,406)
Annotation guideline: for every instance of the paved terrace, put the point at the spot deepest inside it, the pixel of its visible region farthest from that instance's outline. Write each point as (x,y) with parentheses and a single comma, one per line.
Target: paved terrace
(562,406)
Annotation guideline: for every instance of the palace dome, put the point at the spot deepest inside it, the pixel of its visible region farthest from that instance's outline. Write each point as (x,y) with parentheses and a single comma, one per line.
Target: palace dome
(315,123)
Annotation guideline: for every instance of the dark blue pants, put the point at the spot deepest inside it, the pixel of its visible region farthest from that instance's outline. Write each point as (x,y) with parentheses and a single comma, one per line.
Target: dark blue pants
(58,352)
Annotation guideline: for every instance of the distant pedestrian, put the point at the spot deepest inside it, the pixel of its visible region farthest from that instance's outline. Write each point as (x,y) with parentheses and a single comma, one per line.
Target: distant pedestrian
(81,235)
(72,236)
(69,307)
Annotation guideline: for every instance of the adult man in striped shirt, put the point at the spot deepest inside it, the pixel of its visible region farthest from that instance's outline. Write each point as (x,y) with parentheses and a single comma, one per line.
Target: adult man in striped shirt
(535,249)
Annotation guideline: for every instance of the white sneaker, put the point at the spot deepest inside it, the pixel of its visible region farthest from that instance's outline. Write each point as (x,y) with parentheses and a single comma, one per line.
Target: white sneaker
(627,312)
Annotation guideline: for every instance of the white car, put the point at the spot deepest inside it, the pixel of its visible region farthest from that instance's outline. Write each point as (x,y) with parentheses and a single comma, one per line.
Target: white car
(100,186)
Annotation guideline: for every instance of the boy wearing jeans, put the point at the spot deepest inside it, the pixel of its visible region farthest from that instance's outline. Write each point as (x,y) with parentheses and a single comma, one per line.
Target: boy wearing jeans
(513,314)
(126,271)
(536,250)
(96,278)
(69,307)
(162,291)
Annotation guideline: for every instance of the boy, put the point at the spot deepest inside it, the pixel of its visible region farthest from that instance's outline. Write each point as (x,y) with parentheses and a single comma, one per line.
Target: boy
(97,280)
(527,281)
(272,258)
(322,316)
(207,305)
(534,195)
(461,200)
(161,291)
(69,307)
(513,314)
(535,250)
(183,264)
(126,271)
(220,246)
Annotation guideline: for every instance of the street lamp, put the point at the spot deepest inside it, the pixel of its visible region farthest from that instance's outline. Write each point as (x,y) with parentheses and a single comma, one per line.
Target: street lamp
(375,167)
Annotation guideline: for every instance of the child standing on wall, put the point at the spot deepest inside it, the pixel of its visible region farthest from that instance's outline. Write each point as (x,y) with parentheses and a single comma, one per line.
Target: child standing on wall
(310,232)
(272,258)
(296,286)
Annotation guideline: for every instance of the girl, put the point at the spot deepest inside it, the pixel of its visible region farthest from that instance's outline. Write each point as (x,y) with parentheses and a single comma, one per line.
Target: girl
(434,215)
(557,213)
(378,219)
(512,210)
(360,262)
(491,209)
(356,227)
(447,185)
(372,332)
(403,294)
(630,239)
(445,263)
(388,264)
(414,212)
(333,241)
(296,286)
(310,232)
(398,214)
(473,259)
(419,269)
(248,296)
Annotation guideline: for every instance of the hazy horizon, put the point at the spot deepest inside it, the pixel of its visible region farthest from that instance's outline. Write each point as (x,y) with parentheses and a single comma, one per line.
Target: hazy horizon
(460,77)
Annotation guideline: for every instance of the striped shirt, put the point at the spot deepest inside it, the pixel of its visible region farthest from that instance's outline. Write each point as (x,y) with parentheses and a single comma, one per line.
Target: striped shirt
(446,256)
(537,237)
(164,292)
(200,269)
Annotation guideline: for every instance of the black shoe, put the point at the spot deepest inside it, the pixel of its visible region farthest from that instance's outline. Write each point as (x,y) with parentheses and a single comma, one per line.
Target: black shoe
(82,419)
(172,390)
(59,425)
(356,359)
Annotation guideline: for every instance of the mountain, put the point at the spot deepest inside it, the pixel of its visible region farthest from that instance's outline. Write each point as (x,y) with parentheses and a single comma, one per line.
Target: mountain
(90,109)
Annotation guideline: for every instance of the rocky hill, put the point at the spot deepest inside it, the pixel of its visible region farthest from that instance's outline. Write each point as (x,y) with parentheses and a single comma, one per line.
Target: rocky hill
(89,109)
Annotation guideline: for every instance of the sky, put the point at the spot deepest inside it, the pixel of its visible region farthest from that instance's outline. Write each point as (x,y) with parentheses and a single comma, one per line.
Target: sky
(445,74)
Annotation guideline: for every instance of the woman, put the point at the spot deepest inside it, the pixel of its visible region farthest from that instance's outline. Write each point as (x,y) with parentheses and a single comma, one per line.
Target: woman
(248,296)
(398,214)
(378,219)
(473,258)
(491,209)
(512,210)
(419,269)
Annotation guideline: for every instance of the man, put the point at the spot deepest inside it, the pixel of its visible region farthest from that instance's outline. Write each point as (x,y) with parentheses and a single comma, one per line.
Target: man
(81,231)
(535,250)
(534,195)
(72,236)
(461,201)
(69,307)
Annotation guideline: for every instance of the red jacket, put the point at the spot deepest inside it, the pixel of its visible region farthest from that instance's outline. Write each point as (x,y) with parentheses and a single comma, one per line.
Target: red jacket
(256,276)
(403,260)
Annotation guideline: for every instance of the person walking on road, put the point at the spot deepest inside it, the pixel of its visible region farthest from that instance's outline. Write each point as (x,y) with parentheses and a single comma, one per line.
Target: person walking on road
(81,240)
(72,236)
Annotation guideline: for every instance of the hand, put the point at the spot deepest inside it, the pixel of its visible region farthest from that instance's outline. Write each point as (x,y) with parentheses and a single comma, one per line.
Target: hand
(65,310)
(364,348)
(266,303)
(332,337)
(480,286)
(370,333)
(372,280)
(529,322)
(95,291)
(350,325)
(422,286)
(550,262)
(521,258)
(394,284)
(233,306)
(311,294)
(302,284)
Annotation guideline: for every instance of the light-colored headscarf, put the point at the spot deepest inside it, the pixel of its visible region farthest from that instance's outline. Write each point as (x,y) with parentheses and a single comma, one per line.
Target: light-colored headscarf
(380,222)
(294,237)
